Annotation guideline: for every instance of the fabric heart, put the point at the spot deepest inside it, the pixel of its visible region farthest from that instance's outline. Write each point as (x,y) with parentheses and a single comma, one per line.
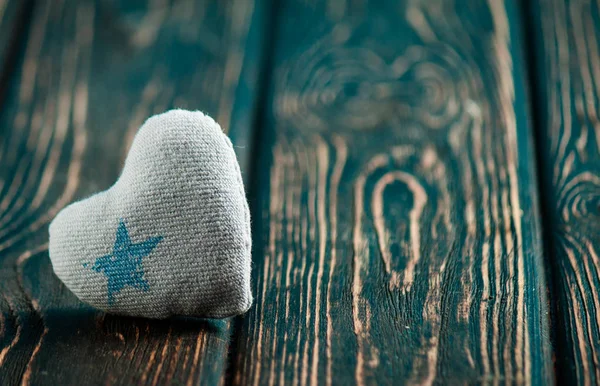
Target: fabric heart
(171,236)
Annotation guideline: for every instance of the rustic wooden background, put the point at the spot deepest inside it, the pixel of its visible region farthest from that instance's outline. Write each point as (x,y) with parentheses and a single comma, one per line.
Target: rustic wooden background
(424,178)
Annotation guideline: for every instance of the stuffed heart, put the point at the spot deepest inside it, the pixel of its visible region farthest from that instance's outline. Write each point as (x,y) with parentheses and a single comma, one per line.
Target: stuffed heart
(171,236)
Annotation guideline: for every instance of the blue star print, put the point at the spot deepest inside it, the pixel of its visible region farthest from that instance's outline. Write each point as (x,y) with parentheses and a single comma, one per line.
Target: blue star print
(123,267)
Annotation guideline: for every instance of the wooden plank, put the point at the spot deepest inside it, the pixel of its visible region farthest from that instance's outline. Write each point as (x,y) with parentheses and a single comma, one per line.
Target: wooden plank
(13,18)
(567,79)
(91,73)
(397,228)
(12,13)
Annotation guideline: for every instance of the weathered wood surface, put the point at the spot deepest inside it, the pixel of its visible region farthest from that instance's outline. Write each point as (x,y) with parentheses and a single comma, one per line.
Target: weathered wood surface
(87,76)
(566,38)
(12,13)
(397,235)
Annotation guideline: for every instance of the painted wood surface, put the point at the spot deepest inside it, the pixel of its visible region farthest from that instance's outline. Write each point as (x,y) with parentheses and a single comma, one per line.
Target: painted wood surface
(87,76)
(397,234)
(566,69)
(11,13)
(13,16)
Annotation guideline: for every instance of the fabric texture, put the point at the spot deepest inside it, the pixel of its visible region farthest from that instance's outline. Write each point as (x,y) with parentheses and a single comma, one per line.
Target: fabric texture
(171,236)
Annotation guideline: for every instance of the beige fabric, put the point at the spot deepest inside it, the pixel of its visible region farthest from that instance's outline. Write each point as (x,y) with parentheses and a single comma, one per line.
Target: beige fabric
(171,236)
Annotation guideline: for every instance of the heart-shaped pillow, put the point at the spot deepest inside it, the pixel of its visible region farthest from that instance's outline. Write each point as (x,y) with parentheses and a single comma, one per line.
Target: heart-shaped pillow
(171,236)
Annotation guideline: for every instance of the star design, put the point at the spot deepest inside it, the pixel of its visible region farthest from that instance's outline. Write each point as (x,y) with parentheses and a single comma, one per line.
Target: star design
(123,267)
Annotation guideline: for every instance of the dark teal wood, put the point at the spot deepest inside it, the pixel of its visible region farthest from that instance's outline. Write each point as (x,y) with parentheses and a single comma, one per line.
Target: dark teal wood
(566,74)
(87,76)
(397,231)
(13,15)
(395,206)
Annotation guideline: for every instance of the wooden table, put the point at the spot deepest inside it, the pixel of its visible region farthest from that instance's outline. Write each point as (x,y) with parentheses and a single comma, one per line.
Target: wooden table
(424,178)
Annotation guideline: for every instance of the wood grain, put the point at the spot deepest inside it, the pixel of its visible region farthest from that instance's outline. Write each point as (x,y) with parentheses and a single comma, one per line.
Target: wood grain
(88,76)
(12,15)
(567,78)
(397,227)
